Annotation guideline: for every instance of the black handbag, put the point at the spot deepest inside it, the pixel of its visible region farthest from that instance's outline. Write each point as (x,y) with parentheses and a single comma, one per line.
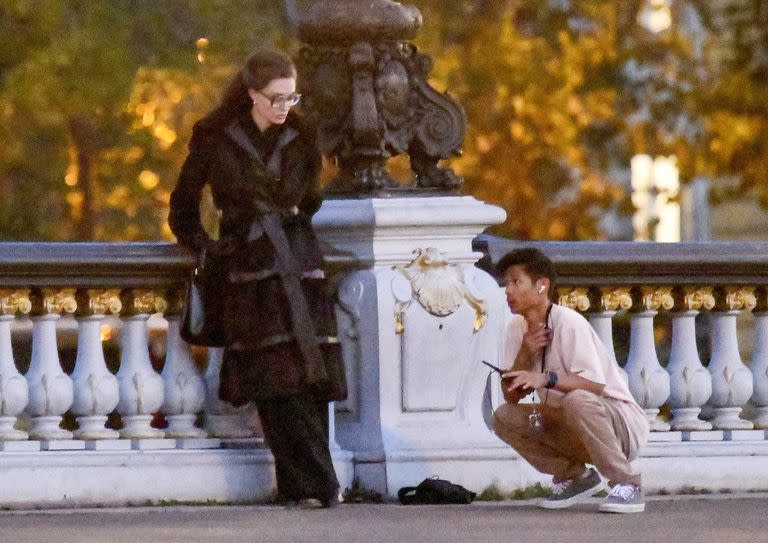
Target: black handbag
(435,491)
(203,322)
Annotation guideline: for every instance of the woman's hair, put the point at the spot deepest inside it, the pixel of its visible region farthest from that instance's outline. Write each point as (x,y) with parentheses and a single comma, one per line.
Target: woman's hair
(261,67)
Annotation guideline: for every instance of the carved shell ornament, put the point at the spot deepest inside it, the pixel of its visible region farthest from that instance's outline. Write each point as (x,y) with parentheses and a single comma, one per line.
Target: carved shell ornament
(436,285)
(439,286)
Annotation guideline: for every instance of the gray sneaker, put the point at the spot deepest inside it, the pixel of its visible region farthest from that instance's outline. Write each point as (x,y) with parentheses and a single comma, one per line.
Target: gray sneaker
(573,491)
(624,498)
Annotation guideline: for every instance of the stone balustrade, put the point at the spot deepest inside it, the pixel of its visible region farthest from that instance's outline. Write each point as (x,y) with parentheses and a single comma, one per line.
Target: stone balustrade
(43,282)
(687,322)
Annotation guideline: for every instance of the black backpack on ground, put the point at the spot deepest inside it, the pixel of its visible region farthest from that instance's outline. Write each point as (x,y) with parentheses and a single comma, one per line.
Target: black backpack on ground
(435,491)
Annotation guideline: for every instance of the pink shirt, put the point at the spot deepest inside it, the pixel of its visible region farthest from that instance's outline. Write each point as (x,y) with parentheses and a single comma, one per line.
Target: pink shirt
(577,349)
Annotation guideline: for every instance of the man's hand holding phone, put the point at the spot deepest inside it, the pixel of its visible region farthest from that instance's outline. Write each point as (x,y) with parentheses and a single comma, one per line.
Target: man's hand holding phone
(513,393)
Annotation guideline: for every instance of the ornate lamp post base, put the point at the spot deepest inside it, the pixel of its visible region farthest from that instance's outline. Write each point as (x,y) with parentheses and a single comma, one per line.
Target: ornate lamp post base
(366,89)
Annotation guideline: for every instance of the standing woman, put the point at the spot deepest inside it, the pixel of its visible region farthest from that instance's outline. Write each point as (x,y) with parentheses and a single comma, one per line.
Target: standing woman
(281,350)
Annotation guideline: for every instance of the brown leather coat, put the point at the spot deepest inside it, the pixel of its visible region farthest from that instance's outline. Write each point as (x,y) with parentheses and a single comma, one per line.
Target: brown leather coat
(280,323)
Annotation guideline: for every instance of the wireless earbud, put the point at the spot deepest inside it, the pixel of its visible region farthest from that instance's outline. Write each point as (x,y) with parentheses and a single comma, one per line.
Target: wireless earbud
(541,289)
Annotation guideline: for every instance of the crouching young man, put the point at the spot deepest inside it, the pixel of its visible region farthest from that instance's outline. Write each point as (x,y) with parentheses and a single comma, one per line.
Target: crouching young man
(585,414)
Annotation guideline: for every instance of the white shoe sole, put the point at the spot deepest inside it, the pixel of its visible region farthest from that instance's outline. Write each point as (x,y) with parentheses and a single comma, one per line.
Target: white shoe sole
(622,508)
(573,500)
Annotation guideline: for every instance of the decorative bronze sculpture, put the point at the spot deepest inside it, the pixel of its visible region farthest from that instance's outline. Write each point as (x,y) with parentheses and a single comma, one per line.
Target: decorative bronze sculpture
(365,86)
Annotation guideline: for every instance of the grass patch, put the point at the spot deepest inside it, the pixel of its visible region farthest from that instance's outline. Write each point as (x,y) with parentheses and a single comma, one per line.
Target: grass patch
(692,490)
(531,492)
(494,494)
(491,493)
(176,503)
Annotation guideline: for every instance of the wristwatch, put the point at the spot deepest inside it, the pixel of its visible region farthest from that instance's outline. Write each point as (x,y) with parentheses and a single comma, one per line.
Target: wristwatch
(551,379)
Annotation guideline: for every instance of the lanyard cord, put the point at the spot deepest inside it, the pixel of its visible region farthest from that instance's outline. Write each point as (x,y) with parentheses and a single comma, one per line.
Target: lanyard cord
(544,349)
(536,414)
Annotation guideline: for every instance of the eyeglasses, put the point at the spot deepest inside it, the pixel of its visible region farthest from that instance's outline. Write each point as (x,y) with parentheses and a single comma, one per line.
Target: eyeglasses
(280,101)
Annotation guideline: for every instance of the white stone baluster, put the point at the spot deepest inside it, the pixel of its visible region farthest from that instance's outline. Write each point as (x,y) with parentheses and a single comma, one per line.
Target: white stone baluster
(690,382)
(611,300)
(184,386)
(648,381)
(50,389)
(141,387)
(14,392)
(731,380)
(96,389)
(222,419)
(759,368)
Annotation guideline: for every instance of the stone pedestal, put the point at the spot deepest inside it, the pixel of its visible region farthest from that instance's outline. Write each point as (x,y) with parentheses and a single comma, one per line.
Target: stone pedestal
(415,320)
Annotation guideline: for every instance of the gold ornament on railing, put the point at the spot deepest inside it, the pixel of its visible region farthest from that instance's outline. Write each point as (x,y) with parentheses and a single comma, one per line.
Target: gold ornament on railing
(481,311)
(615,299)
(655,298)
(740,298)
(105,301)
(143,301)
(439,287)
(761,295)
(12,301)
(58,301)
(399,314)
(176,298)
(696,298)
(574,298)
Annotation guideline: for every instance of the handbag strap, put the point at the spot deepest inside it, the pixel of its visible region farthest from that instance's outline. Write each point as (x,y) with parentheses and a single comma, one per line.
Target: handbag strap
(201,260)
(269,219)
(302,326)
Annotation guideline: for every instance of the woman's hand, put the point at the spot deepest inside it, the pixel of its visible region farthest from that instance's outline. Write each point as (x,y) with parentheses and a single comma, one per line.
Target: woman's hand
(221,247)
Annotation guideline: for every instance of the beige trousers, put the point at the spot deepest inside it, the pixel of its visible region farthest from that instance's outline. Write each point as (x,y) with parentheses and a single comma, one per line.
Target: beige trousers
(587,429)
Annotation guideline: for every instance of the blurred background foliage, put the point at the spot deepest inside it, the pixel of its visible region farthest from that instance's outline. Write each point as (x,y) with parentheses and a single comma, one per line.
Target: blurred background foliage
(98,100)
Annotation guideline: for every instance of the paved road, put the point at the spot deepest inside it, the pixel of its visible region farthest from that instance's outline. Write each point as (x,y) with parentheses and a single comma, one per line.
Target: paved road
(711,519)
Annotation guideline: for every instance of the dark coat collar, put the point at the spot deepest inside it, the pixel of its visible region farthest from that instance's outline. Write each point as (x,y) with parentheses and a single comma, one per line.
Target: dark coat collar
(237,134)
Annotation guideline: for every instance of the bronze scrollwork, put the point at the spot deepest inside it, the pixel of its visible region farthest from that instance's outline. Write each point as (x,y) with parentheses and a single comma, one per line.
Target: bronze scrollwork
(366,89)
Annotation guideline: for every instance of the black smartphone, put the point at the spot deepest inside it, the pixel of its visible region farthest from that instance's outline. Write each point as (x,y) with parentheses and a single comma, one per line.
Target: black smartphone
(494,368)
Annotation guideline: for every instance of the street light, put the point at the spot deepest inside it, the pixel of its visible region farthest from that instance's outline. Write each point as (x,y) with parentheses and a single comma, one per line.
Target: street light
(655,16)
(655,196)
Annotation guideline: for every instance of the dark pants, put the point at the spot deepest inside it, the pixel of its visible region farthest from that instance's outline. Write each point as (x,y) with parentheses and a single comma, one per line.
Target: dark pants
(296,430)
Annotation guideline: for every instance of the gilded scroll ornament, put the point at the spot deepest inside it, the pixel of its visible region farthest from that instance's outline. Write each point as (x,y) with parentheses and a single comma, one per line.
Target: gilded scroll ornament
(574,298)
(175,299)
(439,287)
(761,295)
(655,298)
(740,298)
(696,298)
(58,301)
(143,301)
(403,294)
(399,312)
(12,301)
(615,299)
(481,313)
(105,301)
